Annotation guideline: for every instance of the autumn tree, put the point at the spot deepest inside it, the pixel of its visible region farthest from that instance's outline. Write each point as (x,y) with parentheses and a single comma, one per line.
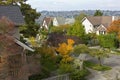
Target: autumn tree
(47,60)
(65,49)
(114,28)
(6,36)
(98,13)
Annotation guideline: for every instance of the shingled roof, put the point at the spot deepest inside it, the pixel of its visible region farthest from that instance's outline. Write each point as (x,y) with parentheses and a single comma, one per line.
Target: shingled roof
(98,20)
(13,13)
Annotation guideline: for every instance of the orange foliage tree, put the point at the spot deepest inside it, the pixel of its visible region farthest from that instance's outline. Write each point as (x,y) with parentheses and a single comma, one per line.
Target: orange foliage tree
(64,49)
(114,28)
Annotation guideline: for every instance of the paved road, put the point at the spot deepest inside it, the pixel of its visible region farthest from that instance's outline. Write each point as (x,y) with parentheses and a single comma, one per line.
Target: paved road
(114,62)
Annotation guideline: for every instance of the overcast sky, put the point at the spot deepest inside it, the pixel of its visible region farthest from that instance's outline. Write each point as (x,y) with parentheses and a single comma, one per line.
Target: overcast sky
(68,5)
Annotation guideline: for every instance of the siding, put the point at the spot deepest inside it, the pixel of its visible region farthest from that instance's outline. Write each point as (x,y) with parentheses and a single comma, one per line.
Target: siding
(88,26)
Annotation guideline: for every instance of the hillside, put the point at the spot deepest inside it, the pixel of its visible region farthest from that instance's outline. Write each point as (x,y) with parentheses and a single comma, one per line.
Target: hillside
(68,14)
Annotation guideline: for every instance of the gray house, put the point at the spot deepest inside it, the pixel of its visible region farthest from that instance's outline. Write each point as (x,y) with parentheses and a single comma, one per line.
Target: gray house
(13,65)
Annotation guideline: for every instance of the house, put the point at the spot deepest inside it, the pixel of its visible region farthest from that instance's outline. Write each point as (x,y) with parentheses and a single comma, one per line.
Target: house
(55,21)
(13,65)
(47,22)
(98,24)
(14,14)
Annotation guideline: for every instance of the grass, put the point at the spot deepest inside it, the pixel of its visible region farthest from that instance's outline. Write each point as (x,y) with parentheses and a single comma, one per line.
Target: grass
(115,51)
(96,66)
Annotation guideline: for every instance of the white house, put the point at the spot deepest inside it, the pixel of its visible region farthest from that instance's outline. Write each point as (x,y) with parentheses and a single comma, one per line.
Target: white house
(47,21)
(98,24)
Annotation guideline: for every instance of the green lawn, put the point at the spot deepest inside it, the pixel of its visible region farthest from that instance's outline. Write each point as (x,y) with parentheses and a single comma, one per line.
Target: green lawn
(96,66)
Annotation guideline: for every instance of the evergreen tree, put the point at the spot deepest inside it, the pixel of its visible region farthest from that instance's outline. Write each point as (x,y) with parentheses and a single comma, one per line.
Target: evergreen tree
(98,13)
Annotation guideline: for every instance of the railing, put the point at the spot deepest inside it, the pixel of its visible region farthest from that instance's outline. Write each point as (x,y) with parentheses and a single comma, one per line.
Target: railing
(59,77)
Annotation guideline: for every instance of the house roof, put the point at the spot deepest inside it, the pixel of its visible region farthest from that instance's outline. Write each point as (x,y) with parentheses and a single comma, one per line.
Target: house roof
(13,13)
(61,20)
(48,20)
(101,28)
(98,20)
(23,45)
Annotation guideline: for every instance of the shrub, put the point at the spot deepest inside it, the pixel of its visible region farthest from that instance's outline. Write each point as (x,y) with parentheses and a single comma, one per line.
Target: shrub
(108,41)
(65,68)
(79,74)
(81,48)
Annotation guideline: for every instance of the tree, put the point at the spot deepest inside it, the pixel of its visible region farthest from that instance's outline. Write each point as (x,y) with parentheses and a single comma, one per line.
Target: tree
(8,2)
(61,28)
(79,50)
(76,29)
(30,29)
(99,54)
(7,44)
(80,16)
(6,26)
(98,13)
(107,41)
(56,38)
(114,28)
(29,13)
(64,50)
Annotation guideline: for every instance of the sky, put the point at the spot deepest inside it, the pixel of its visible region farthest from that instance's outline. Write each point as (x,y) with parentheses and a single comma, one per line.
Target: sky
(70,5)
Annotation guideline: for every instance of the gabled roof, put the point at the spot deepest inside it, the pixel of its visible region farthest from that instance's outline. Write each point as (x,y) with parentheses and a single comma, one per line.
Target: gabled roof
(101,28)
(13,13)
(48,20)
(98,20)
(60,20)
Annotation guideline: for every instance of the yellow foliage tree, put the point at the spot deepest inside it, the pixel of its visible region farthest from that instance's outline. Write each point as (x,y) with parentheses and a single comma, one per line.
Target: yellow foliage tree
(64,49)
(33,42)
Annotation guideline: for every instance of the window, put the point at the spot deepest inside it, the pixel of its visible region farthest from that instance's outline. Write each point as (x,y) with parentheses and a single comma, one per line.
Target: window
(102,32)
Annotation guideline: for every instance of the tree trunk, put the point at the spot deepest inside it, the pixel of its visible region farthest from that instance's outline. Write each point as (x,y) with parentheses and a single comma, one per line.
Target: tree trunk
(99,59)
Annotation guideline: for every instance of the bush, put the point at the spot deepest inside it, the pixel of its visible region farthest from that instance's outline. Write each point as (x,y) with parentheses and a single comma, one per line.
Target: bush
(81,48)
(65,68)
(79,74)
(108,41)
